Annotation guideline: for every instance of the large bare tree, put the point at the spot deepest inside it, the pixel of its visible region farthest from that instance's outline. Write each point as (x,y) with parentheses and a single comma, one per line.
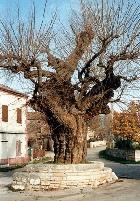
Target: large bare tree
(101,44)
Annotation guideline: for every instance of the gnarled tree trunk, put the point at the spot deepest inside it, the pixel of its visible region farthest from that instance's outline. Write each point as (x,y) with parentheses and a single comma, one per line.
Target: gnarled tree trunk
(69,146)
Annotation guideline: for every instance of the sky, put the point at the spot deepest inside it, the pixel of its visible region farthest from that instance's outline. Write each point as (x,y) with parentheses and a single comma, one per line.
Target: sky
(63,7)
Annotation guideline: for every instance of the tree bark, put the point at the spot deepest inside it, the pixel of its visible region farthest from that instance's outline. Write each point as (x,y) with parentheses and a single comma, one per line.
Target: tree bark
(59,145)
(71,147)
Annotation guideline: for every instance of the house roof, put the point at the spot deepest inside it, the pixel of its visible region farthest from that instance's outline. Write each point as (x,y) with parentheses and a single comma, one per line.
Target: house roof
(8,89)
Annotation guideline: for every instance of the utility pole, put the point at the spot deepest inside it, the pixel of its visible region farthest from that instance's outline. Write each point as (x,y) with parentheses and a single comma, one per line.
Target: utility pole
(112,111)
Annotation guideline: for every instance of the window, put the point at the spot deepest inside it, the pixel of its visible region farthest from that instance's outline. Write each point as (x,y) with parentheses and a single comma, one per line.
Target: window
(5,113)
(18,148)
(19,120)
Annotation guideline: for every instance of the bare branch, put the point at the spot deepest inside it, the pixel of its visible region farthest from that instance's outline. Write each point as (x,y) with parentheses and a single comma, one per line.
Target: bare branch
(34,74)
(105,43)
(129,80)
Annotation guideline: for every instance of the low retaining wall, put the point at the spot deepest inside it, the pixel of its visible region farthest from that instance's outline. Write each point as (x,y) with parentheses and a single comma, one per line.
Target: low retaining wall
(13,161)
(133,155)
(52,176)
(97,143)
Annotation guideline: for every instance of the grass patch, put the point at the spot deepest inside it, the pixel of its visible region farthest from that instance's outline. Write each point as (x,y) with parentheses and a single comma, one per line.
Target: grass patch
(10,168)
(10,188)
(43,160)
(7,169)
(102,154)
(57,163)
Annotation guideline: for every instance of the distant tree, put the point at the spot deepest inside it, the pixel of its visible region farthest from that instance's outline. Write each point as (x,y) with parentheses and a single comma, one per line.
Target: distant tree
(100,124)
(134,109)
(102,46)
(126,125)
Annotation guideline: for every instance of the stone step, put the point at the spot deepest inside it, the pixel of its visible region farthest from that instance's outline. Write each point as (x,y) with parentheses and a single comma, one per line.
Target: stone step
(63,176)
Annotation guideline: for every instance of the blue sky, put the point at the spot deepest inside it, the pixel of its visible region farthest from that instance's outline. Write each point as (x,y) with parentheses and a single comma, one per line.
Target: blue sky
(63,7)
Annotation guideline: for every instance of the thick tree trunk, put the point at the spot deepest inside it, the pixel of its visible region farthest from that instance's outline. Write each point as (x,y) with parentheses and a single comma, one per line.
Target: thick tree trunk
(71,147)
(59,145)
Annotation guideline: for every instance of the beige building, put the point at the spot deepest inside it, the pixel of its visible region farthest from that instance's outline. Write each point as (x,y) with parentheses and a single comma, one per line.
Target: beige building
(13,127)
(90,133)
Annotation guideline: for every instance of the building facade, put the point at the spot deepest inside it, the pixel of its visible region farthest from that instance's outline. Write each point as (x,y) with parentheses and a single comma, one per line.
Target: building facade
(13,127)
(39,135)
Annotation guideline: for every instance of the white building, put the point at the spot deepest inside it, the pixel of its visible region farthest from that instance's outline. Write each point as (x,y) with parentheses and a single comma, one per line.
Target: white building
(90,133)
(13,127)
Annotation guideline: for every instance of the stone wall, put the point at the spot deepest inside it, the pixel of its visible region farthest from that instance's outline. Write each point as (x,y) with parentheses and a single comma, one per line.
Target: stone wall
(133,155)
(52,176)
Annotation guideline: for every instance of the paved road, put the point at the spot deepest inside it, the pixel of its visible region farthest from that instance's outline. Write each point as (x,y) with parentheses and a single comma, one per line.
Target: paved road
(131,171)
(124,189)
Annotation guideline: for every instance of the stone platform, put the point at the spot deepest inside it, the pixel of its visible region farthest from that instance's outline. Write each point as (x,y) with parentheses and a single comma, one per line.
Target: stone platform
(52,176)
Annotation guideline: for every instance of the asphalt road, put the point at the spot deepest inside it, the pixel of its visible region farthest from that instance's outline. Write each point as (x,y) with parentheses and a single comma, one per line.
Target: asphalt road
(122,190)
(130,171)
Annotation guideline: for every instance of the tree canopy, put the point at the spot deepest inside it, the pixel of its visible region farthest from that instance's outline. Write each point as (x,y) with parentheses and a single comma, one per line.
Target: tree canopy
(101,45)
(126,125)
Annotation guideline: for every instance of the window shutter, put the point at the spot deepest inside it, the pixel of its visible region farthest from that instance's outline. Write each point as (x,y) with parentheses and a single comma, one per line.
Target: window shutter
(19,120)
(18,148)
(5,113)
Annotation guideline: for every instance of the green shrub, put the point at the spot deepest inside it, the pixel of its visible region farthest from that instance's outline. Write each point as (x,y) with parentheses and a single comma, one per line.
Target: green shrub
(7,169)
(126,144)
(123,144)
(10,188)
(136,146)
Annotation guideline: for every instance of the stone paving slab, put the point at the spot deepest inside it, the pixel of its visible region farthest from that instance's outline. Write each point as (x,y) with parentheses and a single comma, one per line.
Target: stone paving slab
(122,190)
